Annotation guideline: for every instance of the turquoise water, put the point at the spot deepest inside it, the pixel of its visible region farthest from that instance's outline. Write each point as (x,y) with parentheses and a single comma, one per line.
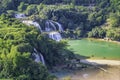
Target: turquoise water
(95,48)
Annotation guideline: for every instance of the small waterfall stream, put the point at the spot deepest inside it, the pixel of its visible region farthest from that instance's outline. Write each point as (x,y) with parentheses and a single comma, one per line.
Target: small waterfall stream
(38,57)
(30,22)
(59,25)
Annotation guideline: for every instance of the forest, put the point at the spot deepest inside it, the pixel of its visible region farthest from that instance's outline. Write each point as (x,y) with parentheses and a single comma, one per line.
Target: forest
(79,18)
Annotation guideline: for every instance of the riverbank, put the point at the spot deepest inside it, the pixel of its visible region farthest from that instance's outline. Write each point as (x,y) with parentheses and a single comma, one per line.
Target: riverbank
(92,73)
(106,40)
(94,70)
(97,68)
(101,62)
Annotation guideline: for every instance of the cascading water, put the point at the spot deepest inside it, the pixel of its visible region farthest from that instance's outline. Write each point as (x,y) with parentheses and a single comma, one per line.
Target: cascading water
(51,27)
(38,57)
(59,25)
(29,22)
(55,36)
(47,27)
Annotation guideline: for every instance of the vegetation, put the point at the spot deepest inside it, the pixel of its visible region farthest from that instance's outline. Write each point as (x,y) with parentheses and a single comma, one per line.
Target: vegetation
(17,43)
(79,18)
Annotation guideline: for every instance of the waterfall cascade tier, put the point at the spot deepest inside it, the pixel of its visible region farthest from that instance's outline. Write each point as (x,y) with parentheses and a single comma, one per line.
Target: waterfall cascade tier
(59,25)
(55,36)
(38,57)
(29,22)
(51,27)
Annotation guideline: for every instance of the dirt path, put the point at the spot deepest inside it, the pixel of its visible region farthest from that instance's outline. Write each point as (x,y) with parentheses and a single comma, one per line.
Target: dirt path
(101,62)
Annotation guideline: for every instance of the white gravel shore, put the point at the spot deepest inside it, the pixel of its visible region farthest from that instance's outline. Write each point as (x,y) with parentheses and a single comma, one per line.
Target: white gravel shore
(101,62)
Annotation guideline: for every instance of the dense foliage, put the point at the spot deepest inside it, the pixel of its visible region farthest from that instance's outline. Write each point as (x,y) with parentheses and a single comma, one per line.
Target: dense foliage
(17,43)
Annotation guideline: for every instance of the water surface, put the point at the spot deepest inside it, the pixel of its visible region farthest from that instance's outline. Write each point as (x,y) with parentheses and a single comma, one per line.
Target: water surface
(95,49)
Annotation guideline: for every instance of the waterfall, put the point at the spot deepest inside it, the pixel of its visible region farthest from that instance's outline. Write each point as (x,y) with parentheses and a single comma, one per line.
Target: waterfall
(59,26)
(37,25)
(38,57)
(42,59)
(53,25)
(55,36)
(47,27)
(29,22)
(51,28)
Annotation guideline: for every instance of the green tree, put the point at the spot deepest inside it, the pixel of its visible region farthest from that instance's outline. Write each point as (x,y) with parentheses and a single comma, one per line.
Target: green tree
(113,20)
(31,9)
(22,7)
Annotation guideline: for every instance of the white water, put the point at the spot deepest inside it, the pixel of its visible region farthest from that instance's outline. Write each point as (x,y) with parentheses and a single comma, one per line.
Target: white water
(47,27)
(59,26)
(38,57)
(55,36)
(51,27)
(29,22)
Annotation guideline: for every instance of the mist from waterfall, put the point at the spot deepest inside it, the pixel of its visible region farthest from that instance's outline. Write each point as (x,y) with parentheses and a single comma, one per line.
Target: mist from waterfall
(38,57)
